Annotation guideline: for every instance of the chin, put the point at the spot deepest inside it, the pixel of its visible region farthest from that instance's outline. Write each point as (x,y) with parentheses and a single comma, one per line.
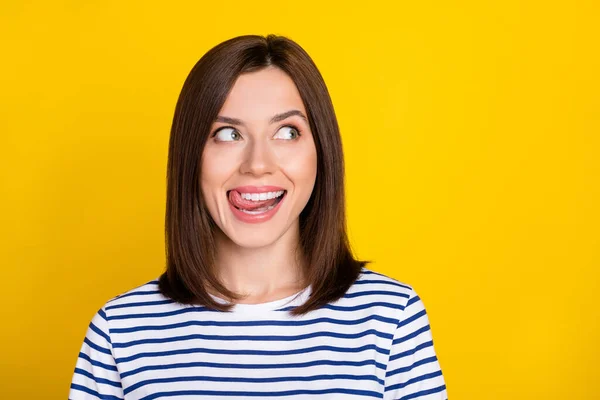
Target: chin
(249,238)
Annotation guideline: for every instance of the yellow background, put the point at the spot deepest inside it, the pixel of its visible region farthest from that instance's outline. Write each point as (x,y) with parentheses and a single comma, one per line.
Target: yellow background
(471,132)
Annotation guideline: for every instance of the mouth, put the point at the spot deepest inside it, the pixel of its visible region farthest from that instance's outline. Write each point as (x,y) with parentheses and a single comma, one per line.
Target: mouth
(255,204)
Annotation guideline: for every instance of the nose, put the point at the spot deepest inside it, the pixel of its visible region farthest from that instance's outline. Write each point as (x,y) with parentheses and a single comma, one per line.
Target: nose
(258,158)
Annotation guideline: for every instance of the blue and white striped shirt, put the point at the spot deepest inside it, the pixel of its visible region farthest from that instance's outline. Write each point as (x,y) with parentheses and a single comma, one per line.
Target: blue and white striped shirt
(375,342)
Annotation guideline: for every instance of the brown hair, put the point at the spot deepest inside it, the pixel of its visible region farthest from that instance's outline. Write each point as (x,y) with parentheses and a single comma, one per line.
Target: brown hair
(189,229)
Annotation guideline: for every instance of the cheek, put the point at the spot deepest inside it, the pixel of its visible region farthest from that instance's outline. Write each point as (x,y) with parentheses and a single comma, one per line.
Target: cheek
(300,166)
(214,173)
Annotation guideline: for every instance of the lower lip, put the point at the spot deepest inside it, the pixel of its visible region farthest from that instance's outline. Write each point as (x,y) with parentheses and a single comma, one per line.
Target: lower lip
(253,219)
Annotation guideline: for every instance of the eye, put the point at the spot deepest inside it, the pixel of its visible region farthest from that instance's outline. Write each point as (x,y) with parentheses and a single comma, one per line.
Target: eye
(289,133)
(227,135)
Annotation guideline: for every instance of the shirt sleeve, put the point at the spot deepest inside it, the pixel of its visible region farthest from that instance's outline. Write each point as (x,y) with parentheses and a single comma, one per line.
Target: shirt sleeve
(96,375)
(413,370)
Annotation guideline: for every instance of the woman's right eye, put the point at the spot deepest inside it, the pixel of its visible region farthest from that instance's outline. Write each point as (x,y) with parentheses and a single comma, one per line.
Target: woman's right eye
(227,135)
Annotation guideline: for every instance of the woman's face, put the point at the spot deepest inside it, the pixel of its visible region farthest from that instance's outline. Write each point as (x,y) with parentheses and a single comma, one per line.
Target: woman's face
(259,164)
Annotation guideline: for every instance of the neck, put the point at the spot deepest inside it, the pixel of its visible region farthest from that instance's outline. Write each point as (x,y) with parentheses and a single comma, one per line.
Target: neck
(261,274)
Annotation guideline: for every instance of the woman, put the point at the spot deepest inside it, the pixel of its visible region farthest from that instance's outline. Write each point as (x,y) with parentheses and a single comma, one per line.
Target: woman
(261,296)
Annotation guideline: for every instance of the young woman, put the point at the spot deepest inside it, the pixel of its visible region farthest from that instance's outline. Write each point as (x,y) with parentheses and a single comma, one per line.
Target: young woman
(261,297)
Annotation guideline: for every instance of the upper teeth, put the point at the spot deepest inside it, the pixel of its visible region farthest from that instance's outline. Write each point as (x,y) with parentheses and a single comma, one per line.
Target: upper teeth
(261,196)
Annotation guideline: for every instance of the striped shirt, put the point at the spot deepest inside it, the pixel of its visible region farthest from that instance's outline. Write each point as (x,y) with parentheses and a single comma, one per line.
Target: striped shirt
(375,342)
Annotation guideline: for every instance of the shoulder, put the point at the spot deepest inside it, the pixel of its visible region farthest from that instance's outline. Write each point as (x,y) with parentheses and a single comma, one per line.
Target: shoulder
(148,290)
(385,290)
(381,294)
(144,297)
(378,284)
(98,334)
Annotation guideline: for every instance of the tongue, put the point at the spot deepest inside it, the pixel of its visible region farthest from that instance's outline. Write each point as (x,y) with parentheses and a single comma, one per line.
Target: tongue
(236,199)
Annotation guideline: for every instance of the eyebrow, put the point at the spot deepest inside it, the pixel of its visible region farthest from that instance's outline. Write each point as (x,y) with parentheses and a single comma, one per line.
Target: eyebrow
(276,118)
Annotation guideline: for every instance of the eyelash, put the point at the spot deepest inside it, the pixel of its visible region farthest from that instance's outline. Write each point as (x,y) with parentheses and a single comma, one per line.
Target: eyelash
(283,126)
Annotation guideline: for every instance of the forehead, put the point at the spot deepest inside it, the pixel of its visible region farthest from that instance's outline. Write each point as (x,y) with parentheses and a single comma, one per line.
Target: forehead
(262,94)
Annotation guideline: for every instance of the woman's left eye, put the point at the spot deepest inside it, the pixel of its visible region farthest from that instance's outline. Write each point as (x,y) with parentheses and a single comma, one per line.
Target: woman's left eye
(287,133)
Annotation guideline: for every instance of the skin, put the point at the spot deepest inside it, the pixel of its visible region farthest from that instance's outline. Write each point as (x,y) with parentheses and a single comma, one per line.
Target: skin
(259,260)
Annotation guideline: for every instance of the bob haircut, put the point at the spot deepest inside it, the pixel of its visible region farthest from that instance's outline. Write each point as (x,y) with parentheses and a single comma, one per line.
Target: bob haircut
(189,228)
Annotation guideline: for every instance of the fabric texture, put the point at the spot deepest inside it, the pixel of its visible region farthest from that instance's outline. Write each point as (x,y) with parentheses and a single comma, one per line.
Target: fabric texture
(375,342)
